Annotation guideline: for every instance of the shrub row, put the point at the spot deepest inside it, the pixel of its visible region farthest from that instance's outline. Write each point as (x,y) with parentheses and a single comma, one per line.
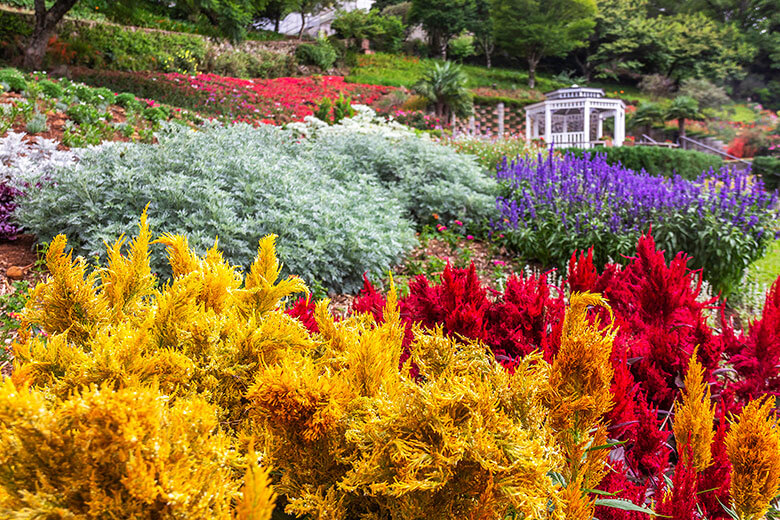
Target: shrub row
(655,160)
(107,46)
(769,169)
(553,205)
(339,215)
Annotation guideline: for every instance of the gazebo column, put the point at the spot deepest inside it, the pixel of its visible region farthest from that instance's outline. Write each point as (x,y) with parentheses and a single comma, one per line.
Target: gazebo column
(586,124)
(547,125)
(620,127)
(600,129)
(528,121)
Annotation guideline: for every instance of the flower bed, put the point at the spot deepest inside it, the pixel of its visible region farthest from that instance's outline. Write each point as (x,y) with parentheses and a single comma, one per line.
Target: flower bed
(555,205)
(273,101)
(661,332)
(165,390)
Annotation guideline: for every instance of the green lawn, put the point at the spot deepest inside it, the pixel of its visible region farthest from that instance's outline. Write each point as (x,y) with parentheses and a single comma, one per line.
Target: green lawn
(766,270)
(403,71)
(738,112)
(625,92)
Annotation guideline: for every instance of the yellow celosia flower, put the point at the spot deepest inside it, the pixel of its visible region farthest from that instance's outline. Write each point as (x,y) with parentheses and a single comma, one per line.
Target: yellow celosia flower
(694,418)
(186,372)
(127,280)
(578,395)
(258,498)
(576,506)
(581,376)
(753,447)
(68,302)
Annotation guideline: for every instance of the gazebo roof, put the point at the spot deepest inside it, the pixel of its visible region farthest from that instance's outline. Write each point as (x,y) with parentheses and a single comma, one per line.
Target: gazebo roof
(575,98)
(575,91)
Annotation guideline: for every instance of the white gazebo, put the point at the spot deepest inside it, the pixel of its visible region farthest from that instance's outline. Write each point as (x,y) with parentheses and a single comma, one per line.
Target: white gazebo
(575,116)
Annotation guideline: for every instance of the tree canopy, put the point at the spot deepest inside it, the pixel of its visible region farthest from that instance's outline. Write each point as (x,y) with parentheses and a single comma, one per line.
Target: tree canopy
(442,19)
(535,29)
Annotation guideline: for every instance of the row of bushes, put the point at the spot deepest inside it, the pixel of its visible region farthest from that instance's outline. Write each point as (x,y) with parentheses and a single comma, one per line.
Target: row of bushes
(106,46)
(553,205)
(688,164)
(343,205)
(768,168)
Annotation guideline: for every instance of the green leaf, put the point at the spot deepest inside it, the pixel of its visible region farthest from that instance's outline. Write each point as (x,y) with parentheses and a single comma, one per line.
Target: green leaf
(606,446)
(625,505)
(600,492)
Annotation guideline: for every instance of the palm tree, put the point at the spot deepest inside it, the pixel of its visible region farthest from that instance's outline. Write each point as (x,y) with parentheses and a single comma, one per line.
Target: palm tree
(682,108)
(646,115)
(444,87)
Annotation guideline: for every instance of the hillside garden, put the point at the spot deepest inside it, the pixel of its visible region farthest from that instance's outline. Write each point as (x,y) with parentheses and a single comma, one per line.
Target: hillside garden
(253,282)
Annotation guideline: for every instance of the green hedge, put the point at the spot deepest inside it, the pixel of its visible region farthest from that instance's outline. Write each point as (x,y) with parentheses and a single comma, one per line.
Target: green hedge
(106,46)
(495,100)
(769,170)
(655,160)
(119,48)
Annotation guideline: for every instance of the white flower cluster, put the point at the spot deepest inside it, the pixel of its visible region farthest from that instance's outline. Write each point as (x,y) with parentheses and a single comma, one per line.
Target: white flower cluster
(20,159)
(364,122)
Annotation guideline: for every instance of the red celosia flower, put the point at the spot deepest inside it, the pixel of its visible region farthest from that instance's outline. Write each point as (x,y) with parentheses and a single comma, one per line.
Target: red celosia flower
(615,482)
(648,455)
(525,318)
(370,301)
(459,302)
(303,309)
(680,502)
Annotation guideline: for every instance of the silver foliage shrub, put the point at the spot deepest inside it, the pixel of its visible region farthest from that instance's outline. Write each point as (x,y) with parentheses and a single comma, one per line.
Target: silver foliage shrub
(423,176)
(30,158)
(342,204)
(238,183)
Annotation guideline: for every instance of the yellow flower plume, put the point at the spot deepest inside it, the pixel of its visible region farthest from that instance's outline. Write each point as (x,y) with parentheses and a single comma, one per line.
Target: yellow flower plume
(694,418)
(753,448)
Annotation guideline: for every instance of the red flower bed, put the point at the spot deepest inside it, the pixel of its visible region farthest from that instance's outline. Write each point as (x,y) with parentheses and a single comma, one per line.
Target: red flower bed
(274,101)
(661,318)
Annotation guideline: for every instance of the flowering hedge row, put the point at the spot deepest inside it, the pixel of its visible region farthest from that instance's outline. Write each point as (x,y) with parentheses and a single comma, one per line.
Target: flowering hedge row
(662,338)
(688,164)
(553,205)
(273,101)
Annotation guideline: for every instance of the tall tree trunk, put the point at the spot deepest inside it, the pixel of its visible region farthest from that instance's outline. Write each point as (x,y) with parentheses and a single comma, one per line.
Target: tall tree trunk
(45,23)
(439,110)
(584,66)
(488,61)
(277,20)
(303,25)
(436,45)
(681,126)
(532,63)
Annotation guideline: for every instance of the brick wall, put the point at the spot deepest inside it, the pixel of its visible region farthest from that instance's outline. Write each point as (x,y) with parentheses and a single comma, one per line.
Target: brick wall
(486,120)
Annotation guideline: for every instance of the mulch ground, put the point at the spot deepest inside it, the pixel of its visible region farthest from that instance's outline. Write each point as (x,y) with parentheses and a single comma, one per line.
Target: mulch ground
(17,255)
